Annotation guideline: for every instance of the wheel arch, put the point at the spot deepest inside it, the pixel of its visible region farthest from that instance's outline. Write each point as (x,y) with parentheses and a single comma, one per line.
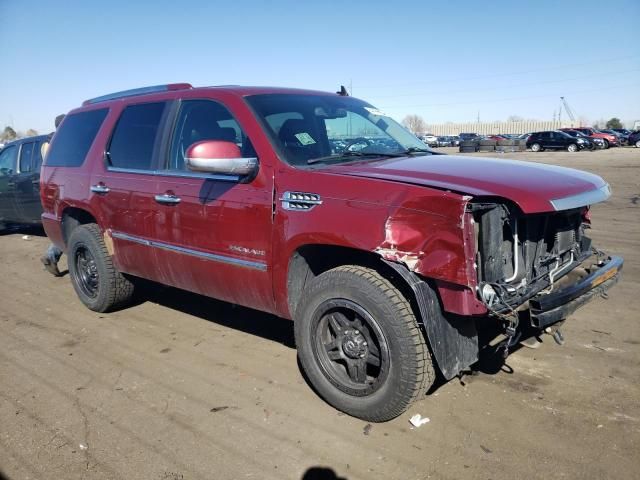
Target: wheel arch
(453,340)
(72,217)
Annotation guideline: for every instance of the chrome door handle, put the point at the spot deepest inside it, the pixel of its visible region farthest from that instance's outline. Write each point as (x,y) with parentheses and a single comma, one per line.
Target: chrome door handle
(99,189)
(167,199)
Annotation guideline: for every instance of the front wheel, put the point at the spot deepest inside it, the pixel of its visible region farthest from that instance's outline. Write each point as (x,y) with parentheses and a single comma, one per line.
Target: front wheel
(572,148)
(606,143)
(98,284)
(536,147)
(637,143)
(360,344)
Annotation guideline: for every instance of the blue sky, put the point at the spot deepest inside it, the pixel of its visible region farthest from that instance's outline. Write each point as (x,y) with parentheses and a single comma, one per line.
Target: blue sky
(444,61)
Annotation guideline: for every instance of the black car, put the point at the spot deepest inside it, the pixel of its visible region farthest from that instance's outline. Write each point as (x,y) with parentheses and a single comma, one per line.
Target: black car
(634,139)
(591,143)
(555,140)
(20,180)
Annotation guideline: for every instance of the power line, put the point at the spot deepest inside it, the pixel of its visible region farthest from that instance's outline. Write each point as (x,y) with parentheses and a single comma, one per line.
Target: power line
(502,74)
(474,90)
(599,89)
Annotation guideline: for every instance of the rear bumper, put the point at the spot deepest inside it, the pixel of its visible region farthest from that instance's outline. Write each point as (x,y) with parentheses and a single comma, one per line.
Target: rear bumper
(554,307)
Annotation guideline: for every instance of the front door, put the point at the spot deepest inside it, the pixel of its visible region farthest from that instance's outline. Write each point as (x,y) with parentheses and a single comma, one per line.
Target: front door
(8,165)
(213,231)
(27,182)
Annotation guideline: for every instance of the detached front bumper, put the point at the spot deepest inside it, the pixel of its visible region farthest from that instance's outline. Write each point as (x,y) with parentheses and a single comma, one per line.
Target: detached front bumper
(584,284)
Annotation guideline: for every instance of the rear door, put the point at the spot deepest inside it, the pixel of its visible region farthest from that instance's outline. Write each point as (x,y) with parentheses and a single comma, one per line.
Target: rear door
(8,166)
(27,182)
(124,186)
(213,232)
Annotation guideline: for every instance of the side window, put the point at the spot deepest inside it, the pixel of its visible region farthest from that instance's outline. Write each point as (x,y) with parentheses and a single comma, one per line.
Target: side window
(8,158)
(135,139)
(25,157)
(546,136)
(75,137)
(200,120)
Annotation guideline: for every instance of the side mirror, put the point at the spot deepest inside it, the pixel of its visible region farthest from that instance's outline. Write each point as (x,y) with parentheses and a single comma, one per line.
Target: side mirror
(220,157)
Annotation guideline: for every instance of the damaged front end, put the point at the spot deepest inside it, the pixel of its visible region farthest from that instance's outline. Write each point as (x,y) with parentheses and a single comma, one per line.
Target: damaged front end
(538,266)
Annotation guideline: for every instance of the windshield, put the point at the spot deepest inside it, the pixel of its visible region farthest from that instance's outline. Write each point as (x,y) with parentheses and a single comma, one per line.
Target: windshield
(317,129)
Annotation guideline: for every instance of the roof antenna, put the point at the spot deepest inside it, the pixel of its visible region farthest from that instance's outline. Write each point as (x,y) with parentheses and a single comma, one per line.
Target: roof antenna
(343,91)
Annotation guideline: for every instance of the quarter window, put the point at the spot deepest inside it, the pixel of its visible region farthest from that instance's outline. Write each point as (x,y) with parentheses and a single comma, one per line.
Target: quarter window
(135,140)
(75,137)
(200,120)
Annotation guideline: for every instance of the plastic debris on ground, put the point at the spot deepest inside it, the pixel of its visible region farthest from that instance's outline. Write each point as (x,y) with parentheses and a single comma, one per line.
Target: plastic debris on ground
(418,420)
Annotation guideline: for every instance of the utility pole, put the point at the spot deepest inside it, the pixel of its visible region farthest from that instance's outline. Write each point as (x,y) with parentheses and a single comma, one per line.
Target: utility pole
(478,119)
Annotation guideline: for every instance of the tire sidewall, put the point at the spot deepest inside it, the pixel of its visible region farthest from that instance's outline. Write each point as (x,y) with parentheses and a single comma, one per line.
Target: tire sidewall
(83,237)
(536,147)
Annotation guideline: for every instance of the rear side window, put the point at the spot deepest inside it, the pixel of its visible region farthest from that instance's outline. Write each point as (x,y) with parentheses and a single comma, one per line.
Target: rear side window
(74,138)
(135,138)
(25,157)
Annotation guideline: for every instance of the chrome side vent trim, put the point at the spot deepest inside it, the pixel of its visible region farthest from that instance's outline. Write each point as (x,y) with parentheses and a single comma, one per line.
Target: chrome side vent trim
(300,201)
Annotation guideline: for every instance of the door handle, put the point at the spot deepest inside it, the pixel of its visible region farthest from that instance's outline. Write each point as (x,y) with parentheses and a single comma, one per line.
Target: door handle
(99,189)
(167,199)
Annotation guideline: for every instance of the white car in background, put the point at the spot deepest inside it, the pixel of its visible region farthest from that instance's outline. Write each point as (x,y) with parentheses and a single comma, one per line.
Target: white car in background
(430,140)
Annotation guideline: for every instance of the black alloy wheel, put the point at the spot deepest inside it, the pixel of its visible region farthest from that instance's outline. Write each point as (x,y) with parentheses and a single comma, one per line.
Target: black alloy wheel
(350,347)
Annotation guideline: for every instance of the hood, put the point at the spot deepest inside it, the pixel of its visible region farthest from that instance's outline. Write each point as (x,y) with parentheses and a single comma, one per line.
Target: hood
(534,187)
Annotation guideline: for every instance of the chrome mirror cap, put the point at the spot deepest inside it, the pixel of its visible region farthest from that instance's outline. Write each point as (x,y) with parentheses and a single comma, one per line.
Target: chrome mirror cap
(223,166)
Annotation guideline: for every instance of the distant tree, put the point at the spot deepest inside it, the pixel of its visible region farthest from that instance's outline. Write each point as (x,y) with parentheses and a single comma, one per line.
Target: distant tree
(515,118)
(614,123)
(31,133)
(414,123)
(8,134)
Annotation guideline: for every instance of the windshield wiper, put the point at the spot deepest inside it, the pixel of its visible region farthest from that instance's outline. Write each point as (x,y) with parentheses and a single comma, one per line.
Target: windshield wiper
(352,154)
(417,150)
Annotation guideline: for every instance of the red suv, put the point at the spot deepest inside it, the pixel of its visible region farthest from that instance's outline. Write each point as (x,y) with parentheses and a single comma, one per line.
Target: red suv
(609,139)
(320,208)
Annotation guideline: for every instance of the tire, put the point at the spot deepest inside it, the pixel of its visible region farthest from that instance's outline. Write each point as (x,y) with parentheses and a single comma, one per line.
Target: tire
(360,307)
(637,143)
(572,148)
(536,147)
(96,281)
(606,143)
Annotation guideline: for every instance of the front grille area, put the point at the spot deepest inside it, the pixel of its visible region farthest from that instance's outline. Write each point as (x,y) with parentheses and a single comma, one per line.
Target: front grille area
(548,247)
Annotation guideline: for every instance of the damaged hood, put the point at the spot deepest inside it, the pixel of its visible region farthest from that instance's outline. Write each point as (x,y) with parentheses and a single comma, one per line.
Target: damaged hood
(534,187)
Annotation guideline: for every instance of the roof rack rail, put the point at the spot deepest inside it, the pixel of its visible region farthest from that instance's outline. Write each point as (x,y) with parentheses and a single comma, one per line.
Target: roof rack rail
(138,91)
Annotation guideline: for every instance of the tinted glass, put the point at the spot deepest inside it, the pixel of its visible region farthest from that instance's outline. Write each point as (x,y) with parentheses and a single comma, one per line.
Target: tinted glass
(200,120)
(26,153)
(74,138)
(8,158)
(135,137)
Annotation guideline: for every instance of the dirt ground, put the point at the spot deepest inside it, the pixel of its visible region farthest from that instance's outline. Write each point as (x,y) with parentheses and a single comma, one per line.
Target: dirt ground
(185,387)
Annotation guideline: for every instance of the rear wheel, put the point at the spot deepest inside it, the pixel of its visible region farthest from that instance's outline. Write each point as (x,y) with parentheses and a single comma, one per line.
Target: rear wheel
(536,147)
(96,281)
(360,344)
(572,148)
(637,143)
